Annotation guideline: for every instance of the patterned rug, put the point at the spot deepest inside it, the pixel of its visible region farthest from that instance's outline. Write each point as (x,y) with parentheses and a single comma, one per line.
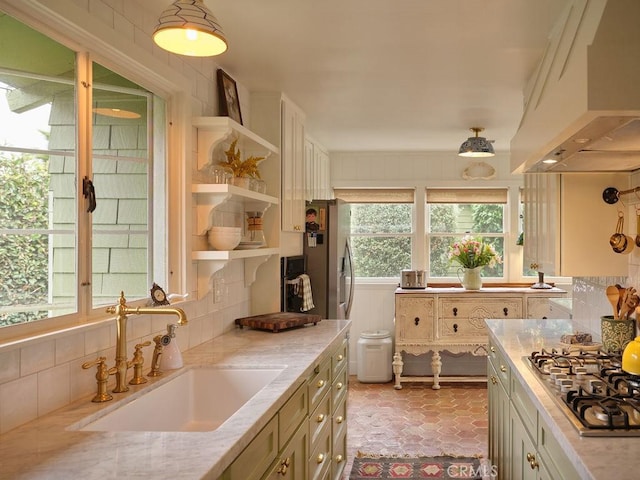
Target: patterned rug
(415,468)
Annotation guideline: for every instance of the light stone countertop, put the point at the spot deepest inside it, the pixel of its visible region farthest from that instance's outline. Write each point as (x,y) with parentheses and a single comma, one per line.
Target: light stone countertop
(595,458)
(45,449)
(486,289)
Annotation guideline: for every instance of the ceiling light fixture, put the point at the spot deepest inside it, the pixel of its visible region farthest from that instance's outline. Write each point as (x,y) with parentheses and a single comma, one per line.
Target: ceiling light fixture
(476,146)
(189,28)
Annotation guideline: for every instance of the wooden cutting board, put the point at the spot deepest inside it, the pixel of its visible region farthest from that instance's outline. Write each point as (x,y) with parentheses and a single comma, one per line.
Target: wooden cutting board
(278,321)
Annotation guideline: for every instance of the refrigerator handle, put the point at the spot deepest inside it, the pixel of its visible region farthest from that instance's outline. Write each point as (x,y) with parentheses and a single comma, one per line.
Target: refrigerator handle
(351,282)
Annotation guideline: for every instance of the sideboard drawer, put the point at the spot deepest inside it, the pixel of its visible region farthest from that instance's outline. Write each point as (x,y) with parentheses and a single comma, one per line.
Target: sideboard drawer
(478,310)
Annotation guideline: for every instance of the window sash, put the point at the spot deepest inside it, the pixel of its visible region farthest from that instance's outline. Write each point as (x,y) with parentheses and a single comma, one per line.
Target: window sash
(467,195)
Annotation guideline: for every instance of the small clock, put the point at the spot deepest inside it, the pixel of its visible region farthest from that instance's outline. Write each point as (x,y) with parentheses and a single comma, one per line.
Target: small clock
(158,297)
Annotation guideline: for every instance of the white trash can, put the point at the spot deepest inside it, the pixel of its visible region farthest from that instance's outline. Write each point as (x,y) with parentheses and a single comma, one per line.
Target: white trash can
(374,357)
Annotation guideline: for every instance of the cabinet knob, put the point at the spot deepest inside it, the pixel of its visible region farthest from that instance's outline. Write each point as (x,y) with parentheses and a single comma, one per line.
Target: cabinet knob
(339,458)
(494,380)
(320,418)
(320,458)
(493,349)
(503,369)
(297,228)
(506,311)
(339,419)
(284,466)
(320,383)
(534,266)
(533,463)
(339,385)
(455,327)
(340,357)
(455,311)
(416,321)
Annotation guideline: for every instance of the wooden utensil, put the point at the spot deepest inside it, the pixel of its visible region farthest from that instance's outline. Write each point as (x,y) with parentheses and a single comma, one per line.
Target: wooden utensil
(613,294)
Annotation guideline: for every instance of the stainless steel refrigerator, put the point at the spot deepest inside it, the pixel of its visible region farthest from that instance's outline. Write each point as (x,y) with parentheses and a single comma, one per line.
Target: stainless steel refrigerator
(328,258)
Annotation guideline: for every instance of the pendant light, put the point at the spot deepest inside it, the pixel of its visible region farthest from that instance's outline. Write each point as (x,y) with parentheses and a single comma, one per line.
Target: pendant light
(189,28)
(476,146)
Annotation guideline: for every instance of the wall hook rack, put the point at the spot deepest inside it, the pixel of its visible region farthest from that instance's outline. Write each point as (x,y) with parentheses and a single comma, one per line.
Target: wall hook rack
(611,195)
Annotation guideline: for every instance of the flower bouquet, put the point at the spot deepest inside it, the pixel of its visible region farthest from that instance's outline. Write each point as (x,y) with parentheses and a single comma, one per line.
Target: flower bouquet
(473,252)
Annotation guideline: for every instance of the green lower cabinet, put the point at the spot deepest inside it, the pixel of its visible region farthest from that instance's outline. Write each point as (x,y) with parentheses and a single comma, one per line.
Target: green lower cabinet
(498,422)
(524,457)
(291,464)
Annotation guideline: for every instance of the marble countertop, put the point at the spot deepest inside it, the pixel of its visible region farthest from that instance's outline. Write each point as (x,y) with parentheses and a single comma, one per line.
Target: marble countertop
(46,449)
(594,458)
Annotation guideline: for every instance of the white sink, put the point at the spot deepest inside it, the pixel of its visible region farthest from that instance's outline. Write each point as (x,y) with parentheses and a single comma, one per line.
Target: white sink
(198,400)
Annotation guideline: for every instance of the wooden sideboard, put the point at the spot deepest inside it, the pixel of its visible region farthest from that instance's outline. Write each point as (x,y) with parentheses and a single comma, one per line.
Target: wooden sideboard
(452,319)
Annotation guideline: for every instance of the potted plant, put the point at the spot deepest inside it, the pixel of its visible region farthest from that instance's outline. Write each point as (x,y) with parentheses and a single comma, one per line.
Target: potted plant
(242,170)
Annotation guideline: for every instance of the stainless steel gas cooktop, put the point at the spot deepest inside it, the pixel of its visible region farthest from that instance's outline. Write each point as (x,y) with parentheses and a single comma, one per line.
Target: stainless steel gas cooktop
(592,390)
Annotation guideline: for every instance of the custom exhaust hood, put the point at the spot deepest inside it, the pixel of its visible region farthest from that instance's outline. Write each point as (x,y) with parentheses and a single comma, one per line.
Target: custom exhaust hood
(582,107)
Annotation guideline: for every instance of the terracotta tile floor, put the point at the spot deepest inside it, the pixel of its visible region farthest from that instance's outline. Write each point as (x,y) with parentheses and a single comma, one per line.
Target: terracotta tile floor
(416,420)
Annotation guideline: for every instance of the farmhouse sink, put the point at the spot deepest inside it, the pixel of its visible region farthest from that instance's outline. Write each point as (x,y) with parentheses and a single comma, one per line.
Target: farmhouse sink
(198,400)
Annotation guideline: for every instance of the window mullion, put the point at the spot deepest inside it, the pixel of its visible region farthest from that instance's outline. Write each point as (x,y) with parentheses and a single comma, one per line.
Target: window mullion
(84,169)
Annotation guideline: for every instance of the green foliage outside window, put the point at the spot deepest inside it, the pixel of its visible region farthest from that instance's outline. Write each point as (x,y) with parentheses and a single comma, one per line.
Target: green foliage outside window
(24,268)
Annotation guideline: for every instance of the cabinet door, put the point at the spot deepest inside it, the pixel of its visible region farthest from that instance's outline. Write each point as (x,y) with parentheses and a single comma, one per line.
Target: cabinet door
(293,178)
(524,460)
(254,460)
(499,440)
(414,319)
(292,461)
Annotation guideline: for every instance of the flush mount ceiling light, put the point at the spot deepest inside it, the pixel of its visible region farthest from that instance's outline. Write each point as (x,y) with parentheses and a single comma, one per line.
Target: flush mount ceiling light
(189,28)
(476,146)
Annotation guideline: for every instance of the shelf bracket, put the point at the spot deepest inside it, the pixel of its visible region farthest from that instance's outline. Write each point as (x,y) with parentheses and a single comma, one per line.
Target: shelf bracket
(251,268)
(206,272)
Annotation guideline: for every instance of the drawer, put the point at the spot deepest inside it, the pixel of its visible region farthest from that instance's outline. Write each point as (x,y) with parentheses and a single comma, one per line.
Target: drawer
(525,407)
(339,457)
(319,418)
(256,458)
(500,365)
(553,455)
(293,413)
(414,318)
(339,359)
(478,310)
(320,457)
(320,383)
(339,387)
(339,420)
(462,328)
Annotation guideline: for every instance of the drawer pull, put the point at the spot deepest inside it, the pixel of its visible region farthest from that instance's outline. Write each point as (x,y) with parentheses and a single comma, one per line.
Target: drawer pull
(494,380)
(320,383)
(455,311)
(493,349)
(339,385)
(339,419)
(316,369)
(340,357)
(455,327)
(503,369)
(284,466)
(320,418)
(506,311)
(416,321)
(320,458)
(339,458)
(533,463)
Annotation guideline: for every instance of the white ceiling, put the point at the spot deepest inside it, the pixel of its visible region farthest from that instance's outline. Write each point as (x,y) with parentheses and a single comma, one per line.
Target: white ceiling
(391,74)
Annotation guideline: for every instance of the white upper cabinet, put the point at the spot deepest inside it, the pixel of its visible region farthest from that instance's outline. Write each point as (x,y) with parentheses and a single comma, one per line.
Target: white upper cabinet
(317,180)
(279,120)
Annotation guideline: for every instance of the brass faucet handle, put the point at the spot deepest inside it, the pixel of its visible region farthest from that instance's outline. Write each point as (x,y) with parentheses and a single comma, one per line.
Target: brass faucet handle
(138,362)
(102,376)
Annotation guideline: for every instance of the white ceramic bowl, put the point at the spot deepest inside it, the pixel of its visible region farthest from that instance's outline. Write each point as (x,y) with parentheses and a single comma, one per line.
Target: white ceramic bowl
(224,238)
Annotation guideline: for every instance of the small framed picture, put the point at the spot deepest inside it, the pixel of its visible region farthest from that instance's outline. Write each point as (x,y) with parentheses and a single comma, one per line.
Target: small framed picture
(228,97)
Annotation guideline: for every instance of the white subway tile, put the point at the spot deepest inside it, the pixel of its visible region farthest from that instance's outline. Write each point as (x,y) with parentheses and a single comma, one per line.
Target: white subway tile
(53,389)
(36,357)
(18,402)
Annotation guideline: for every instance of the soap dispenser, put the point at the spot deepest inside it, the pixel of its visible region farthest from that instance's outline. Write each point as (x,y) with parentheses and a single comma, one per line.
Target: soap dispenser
(171,355)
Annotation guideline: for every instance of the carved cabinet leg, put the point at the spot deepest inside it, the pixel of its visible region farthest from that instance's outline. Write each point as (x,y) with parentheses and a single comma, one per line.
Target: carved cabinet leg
(397,365)
(436,366)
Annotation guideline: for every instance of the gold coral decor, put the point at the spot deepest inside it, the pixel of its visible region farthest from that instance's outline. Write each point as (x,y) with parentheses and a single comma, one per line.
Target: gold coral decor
(244,169)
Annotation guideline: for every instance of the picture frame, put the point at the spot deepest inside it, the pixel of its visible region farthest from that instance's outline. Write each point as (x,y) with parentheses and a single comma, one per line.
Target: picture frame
(229,102)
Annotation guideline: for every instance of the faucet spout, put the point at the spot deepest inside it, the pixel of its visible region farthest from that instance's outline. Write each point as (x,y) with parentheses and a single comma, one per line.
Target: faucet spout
(121,310)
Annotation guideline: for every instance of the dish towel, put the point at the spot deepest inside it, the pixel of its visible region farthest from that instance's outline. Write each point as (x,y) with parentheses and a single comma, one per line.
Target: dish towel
(305,292)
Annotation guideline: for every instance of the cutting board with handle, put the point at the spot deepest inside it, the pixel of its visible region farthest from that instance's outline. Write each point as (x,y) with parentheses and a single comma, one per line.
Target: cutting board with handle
(278,321)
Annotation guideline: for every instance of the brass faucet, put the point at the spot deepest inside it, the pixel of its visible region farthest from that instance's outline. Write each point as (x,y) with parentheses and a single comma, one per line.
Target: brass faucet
(121,311)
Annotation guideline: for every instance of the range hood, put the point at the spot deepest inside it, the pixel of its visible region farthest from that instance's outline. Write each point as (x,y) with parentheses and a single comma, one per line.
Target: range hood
(582,107)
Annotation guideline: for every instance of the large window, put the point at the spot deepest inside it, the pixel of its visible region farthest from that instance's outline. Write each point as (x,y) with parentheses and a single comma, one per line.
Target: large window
(66,121)
(454,213)
(381,231)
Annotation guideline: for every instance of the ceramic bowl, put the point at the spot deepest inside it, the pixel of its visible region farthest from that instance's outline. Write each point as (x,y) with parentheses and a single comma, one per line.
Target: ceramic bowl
(224,238)
(631,357)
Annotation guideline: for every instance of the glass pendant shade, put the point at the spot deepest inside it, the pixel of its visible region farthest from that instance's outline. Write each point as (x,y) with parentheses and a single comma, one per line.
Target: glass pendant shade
(476,146)
(189,28)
